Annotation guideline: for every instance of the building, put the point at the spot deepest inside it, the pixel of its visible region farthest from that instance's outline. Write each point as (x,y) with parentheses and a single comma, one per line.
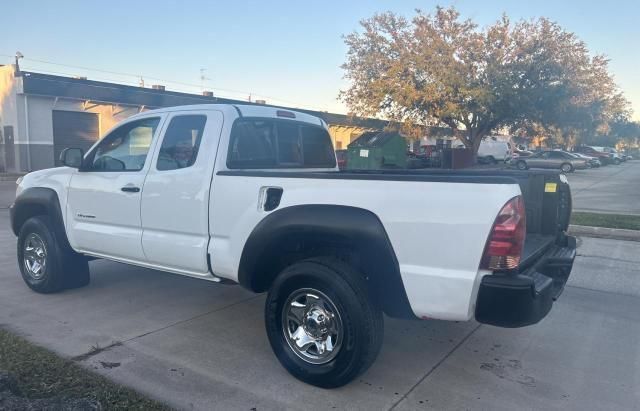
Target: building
(41,114)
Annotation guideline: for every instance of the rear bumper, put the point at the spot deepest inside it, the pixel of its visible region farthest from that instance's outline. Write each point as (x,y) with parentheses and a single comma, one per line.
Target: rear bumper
(518,300)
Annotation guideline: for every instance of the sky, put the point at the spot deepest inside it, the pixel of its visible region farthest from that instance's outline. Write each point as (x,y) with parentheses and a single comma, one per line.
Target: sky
(282,51)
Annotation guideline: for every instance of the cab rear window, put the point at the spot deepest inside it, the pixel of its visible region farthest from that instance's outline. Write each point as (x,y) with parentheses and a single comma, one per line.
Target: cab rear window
(271,143)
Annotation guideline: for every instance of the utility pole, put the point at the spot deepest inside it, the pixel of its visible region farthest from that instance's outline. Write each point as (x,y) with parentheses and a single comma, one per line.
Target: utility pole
(19,56)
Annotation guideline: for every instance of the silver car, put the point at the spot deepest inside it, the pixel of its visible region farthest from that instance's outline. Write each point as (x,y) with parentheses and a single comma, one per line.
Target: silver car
(558,160)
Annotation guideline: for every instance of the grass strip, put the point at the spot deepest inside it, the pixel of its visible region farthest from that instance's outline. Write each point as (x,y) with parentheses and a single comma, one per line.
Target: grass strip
(628,222)
(39,374)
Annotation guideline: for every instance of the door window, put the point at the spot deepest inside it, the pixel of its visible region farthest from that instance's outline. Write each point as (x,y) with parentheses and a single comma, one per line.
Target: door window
(181,142)
(125,148)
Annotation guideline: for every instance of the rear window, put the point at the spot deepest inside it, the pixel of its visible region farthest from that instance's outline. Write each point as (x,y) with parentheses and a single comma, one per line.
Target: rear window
(270,143)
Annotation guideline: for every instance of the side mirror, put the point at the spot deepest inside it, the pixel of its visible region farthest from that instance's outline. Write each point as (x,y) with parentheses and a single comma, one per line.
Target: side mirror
(72,157)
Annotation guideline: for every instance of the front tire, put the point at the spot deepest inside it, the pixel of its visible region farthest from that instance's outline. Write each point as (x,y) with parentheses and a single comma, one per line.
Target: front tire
(521,165)
(45,264)
(322,324)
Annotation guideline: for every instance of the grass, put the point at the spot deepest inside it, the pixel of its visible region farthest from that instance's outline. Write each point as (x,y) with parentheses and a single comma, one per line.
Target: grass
(38,373)
(629,222)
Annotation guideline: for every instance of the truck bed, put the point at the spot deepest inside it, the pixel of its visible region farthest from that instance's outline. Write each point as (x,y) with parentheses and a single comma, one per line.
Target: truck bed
(546,194)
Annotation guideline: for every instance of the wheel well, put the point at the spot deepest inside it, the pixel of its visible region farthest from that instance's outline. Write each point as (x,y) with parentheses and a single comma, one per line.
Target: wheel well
(293,247)
(353,235)
(38,201)
(25,212)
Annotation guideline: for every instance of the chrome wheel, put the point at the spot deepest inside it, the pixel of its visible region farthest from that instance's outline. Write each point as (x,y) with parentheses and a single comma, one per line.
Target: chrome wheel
(35,256)
(312,326)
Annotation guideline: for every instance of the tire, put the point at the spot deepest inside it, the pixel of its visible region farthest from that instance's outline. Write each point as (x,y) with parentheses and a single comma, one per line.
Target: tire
(566,168)
(334,286)
(45,264)
(521,165)
(617,161)
(492,160)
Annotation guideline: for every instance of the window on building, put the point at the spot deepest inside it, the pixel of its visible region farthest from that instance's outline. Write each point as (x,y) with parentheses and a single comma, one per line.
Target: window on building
(181,142)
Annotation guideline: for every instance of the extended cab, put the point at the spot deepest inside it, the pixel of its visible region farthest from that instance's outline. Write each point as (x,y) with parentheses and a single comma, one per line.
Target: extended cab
(252,195)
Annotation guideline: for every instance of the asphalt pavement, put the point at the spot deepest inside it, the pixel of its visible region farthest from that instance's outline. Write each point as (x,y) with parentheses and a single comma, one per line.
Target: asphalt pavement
(200,345)
(609,189)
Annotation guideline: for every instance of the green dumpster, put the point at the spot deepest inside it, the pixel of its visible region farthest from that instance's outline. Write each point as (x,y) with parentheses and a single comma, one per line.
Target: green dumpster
(375,150)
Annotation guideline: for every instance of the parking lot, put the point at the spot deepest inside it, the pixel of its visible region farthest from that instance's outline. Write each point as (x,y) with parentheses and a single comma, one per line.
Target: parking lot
(610,189)
(199,345)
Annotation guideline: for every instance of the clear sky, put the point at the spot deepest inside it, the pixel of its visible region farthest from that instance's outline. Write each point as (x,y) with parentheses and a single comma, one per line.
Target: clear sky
(287,52)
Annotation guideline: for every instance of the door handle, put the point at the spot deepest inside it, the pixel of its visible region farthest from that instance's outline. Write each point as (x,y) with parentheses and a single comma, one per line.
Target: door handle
(130,189)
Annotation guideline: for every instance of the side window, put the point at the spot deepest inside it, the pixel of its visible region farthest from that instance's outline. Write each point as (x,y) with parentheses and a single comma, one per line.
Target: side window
(266,143)
(317,147)
(181,142)
(556,155)
(125,148)
(252,145)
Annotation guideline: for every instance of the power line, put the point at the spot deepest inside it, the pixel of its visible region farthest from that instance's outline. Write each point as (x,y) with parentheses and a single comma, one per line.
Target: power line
(140,76)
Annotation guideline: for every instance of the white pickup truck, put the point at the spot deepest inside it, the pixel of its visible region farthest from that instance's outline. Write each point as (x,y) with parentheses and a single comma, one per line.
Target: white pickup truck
(251,195)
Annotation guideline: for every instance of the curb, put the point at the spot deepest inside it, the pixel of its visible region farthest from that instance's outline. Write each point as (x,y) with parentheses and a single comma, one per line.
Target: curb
(602,232)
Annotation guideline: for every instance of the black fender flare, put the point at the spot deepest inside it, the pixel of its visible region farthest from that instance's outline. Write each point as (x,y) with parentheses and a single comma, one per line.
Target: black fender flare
(39,201)
(358,227)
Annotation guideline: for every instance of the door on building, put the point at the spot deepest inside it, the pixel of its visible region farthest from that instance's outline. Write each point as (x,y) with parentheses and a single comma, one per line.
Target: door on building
(73,129)
(103,207)
(9,153)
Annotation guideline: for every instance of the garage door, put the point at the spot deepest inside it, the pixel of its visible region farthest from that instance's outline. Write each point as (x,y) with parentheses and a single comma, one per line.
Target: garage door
(73,129)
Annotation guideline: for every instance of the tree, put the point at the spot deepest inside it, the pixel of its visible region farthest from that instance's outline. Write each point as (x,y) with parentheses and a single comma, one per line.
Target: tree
(440,69)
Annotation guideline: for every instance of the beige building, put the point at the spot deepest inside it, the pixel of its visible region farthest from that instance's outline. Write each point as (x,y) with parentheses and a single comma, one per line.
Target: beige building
(41,114)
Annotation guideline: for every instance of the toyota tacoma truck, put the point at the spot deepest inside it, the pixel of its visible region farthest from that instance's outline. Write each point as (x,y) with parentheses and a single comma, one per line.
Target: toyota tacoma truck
(251,195)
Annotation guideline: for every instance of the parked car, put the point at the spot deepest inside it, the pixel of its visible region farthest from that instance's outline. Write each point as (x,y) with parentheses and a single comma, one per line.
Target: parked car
(613,156)
(558,160)
(604,158)
(494,151)
(521,153)
(254,197)
(341,157)
(592,162)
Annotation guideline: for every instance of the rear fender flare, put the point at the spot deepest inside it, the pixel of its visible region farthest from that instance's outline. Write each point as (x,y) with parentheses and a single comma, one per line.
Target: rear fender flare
(358,227)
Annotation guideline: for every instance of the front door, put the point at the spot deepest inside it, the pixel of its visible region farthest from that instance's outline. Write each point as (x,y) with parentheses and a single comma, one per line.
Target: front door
(103,207)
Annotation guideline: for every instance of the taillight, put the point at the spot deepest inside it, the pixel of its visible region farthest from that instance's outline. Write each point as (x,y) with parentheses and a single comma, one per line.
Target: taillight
(506,240)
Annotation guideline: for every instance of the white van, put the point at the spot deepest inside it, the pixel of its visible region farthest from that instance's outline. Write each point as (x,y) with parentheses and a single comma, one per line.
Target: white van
(492,150)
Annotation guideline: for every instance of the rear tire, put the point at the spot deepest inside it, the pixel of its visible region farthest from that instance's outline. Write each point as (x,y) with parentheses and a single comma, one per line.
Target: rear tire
(45,264)
(521,165)
(345,342)
(566,168)
(492,160)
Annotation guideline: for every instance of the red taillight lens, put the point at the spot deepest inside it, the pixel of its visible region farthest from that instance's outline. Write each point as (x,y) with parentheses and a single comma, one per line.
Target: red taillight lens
(506,240)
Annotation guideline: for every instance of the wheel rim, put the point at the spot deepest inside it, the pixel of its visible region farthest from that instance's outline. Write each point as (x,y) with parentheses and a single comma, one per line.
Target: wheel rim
(34,256)
(566,168)
(312,326)
(522,165)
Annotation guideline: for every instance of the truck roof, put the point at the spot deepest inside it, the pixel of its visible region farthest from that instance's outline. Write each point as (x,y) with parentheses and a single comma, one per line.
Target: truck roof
(244,110)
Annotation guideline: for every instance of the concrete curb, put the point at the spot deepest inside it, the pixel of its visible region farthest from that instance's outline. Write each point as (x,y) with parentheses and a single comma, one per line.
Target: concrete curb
(602,232)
